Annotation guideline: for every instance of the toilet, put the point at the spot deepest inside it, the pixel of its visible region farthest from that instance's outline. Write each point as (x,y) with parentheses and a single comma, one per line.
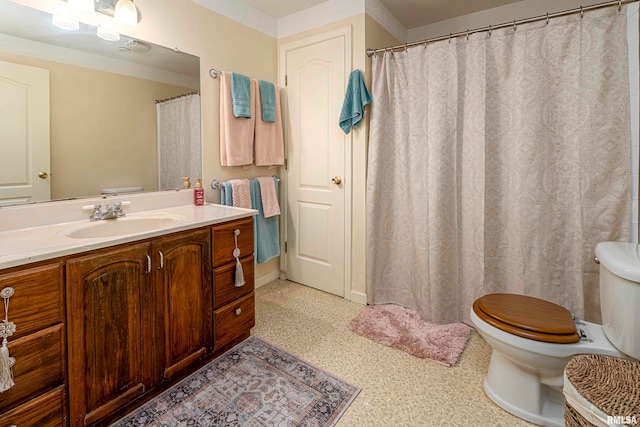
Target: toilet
(533,340)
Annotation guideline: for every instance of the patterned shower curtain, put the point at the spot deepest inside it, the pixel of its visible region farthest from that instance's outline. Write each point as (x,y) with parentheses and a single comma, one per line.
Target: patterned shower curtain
(179,148)
(497,163)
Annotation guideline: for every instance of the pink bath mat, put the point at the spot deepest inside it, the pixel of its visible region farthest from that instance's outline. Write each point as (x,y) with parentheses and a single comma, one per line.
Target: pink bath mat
(402,328)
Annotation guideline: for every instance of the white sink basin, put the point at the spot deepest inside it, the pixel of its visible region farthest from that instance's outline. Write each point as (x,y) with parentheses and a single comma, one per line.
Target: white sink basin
(122,226)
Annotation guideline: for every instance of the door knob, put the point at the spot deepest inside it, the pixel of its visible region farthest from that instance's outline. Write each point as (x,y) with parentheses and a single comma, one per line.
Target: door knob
(43,175)
(336,180)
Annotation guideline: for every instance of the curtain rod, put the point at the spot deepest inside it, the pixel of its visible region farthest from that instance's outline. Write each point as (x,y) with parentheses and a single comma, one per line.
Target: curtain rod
(158,101)
(514,23)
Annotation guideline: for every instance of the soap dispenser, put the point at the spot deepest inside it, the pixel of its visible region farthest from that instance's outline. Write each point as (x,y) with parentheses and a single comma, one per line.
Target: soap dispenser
(198,193)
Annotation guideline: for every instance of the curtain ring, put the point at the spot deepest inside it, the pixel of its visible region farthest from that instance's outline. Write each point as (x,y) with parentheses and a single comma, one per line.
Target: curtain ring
(515,28)
(467,34)
(405,47)
(581,12)
(547,18)
(489,30)
(425,43)
(619,5)
(449,38)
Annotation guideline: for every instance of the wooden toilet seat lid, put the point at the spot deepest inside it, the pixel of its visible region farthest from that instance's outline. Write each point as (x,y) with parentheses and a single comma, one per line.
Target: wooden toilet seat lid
(527,317)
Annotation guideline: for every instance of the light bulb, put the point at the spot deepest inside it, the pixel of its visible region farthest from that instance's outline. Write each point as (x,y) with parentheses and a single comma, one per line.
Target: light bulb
(108,35)
(125,12)
(65,23)
(84,5)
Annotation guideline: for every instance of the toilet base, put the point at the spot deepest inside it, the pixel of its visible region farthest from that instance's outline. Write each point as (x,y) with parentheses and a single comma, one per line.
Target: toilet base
(521,392)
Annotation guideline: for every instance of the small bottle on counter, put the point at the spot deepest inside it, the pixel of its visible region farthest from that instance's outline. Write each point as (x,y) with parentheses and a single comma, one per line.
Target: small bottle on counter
(198,193)
(186,183)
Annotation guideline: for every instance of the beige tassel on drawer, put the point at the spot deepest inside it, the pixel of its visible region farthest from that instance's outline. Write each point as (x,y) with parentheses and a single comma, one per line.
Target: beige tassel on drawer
(236,253)
(6,330)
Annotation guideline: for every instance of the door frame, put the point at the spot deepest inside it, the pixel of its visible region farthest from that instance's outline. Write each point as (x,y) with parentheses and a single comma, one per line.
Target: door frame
(344,32)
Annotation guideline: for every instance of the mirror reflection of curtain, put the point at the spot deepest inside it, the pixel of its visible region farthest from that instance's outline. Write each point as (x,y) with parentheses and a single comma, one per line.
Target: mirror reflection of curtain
(179,150)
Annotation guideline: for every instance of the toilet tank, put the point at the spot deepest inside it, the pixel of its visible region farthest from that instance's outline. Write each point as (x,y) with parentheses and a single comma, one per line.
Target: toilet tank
(620,295)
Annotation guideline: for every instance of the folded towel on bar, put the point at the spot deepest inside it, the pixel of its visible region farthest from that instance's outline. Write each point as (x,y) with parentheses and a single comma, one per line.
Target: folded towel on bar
(226,194)
(241,193)
(241,95)
(267,100)
(266,230)
(236,134)
(356,97)
(269,139)
(269,196)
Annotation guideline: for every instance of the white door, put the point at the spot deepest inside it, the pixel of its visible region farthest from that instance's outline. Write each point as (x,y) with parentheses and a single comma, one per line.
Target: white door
(316,231)
(24,139)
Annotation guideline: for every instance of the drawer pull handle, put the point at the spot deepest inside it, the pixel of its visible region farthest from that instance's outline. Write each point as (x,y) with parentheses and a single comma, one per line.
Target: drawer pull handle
(148,270)
(161,260)
(238,311)
(6,330)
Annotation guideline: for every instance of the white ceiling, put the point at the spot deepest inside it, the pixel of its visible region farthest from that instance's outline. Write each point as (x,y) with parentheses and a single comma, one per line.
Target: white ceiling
(411,13)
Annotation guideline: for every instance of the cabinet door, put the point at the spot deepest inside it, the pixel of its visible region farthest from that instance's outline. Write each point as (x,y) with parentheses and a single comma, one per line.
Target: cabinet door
(110,331)
(184,300)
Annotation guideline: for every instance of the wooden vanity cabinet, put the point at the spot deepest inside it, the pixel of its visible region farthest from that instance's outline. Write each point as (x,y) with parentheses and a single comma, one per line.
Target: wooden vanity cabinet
(182,289)
(110,324)
(38,346)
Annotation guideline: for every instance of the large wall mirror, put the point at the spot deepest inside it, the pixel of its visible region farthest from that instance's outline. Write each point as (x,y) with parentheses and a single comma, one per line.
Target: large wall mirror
(105,118)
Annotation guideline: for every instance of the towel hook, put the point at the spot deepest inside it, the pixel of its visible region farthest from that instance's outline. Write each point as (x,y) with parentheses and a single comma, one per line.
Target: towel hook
(214,73)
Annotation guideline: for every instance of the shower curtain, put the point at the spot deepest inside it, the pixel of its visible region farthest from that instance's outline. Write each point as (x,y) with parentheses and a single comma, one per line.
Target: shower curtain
(496,163)
(179,151)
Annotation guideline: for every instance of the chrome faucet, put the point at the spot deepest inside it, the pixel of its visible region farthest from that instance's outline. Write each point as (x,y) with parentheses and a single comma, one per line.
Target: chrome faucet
(112,212)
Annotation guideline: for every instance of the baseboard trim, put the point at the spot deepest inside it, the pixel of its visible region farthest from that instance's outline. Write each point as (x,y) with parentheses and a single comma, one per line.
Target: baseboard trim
(267,278)
(359,297)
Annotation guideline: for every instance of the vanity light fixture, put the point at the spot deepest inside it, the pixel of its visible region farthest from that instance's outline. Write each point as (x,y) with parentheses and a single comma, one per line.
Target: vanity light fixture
(108,35)
(65,23)
(125,12)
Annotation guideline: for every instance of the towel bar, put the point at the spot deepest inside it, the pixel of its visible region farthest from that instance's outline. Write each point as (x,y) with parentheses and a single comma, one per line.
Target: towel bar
(215,184)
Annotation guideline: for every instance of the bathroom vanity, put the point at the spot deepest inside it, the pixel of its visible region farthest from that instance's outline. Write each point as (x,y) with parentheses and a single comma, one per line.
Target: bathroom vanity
(105,323)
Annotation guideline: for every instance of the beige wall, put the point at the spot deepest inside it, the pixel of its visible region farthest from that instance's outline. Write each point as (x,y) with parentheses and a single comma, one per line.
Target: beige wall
(221,43)
(98,141)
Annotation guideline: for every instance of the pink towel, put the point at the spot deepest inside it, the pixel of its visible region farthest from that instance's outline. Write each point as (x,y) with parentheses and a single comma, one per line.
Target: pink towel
(269,196)
(269,144)
(236,133)
(241,193)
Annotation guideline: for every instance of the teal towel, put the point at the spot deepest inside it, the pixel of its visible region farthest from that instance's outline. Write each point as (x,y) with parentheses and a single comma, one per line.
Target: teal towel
(266,231)
(268,101)
(355,99)
(241,95)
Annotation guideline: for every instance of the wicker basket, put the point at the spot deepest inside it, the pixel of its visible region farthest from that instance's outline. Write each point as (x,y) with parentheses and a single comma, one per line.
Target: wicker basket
(610,383)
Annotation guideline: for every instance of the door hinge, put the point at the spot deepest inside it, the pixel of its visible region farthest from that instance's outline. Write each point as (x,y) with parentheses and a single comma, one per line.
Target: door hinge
(286,164)
(286,247)
(286,80)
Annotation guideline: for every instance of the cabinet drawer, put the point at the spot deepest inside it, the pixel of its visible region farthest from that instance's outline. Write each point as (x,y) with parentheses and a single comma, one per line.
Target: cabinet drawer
(37,302)
(39,365)
(232,320)
(224,282)
(43,411)
(224,242)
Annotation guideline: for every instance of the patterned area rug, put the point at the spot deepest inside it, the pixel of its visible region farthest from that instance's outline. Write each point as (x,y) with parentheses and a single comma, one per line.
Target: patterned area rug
(253,384)
(402,328)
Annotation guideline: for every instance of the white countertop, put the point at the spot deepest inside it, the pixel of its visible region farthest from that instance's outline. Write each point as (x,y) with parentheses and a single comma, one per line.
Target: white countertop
(26,245)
